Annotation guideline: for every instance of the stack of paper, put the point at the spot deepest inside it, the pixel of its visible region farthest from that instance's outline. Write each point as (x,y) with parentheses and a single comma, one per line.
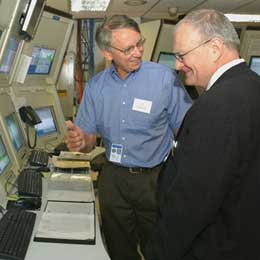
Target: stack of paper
(59,162)
(78,156)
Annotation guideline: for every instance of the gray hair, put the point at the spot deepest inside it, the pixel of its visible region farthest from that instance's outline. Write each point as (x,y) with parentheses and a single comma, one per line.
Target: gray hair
(210,23)
(104,31)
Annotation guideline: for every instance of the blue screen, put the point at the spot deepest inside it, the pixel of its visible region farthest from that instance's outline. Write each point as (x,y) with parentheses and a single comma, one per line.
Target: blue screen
(255,64)
(47,126)
(9,55)
(42,59)
(14,132)
(4,158)
(167,58)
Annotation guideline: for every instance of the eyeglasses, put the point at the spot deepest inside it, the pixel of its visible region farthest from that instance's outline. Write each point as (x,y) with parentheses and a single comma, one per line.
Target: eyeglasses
(180,58)
(139,45)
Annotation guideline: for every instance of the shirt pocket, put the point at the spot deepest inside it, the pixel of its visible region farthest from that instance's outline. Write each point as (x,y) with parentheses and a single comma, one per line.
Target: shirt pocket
(147,120)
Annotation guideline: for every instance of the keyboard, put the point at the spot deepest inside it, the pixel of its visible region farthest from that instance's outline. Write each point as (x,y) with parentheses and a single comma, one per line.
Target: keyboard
(16,227)
(29,183)
(38,158)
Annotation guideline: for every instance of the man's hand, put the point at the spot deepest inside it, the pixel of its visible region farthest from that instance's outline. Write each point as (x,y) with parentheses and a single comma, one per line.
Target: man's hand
(74,138)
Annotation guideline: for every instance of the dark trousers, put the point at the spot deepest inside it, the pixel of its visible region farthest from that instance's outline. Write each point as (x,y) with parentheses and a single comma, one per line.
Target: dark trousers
(128,207)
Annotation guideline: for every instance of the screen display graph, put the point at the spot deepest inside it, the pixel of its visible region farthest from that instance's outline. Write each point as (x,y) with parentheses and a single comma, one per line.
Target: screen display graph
(48,124)
(42,59)
(9,55)
(4,158)
(14,131)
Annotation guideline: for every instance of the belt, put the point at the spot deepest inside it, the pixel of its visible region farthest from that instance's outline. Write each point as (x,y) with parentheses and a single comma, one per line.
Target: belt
(138,170)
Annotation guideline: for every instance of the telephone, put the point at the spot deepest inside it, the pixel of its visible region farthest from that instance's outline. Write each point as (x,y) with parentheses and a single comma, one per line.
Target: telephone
(29,116)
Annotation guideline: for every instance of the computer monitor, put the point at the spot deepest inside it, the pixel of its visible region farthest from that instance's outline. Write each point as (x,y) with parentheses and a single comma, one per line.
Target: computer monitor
(15,132)
(10,126)
(254,64)
(9,55)
(8,171)
(48,126)
(4,157)
(16,138)
(167,58)
(42,59)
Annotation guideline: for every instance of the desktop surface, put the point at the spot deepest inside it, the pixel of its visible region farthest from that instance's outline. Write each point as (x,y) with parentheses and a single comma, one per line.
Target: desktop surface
(64,251)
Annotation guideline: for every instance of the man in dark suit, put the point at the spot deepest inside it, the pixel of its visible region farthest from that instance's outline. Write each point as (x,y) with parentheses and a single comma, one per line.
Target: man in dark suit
(209,191)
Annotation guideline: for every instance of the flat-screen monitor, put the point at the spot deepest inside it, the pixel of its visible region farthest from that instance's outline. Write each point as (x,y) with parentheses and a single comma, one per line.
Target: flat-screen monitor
(48,125)
(42,59)
(9,55)
(254,64)
(4,157)
(167,58)
(11,129)
(15,132)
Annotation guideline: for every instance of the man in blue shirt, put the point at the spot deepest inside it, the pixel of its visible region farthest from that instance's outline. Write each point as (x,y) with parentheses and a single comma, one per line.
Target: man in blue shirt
(135,106)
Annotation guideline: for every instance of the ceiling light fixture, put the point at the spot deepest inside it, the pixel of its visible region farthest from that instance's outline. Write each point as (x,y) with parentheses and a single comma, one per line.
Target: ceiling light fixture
(172,11)
(135,2)
(89,5)
(243,17)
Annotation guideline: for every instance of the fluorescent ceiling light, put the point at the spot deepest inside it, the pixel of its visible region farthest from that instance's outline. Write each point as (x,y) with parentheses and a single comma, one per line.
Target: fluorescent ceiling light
(89,5)
(243,17)
(135,2)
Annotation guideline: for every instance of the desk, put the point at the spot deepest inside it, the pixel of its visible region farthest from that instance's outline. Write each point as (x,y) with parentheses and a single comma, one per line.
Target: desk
(59,251)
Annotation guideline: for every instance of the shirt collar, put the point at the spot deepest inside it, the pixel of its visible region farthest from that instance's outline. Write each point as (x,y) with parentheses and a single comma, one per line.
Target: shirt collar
(114,73)
(221,71)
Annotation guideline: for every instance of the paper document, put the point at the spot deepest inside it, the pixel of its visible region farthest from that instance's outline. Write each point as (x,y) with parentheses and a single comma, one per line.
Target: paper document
(77,156)
(69,222)
(58,163)
(70,187)
(24,64)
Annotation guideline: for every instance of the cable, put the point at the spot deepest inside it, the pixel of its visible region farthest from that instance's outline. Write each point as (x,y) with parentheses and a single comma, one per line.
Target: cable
(8,182)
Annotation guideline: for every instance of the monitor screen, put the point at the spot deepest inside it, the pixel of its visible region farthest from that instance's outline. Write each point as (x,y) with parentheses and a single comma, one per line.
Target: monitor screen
(4,158)
(9,55)
(14,131)
(167,58)
(42,59)
(254,64)
(48,124)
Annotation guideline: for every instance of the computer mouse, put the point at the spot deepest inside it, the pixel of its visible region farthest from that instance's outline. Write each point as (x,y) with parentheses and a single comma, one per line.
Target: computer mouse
(43,169)
(28,203)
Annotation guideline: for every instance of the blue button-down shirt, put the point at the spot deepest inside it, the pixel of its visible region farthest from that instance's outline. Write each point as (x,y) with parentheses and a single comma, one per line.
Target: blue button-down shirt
(107,109)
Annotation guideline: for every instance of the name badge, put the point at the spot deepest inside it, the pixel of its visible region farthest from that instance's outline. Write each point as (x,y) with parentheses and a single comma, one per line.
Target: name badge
(142,105)
(116,153)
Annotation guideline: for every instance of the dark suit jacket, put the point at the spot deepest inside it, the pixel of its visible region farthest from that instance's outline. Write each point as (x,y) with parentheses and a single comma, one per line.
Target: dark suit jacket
(210,191)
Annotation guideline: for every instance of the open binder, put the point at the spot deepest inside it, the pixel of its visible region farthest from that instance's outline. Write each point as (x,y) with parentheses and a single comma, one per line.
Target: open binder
(67,222)
(70,187)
